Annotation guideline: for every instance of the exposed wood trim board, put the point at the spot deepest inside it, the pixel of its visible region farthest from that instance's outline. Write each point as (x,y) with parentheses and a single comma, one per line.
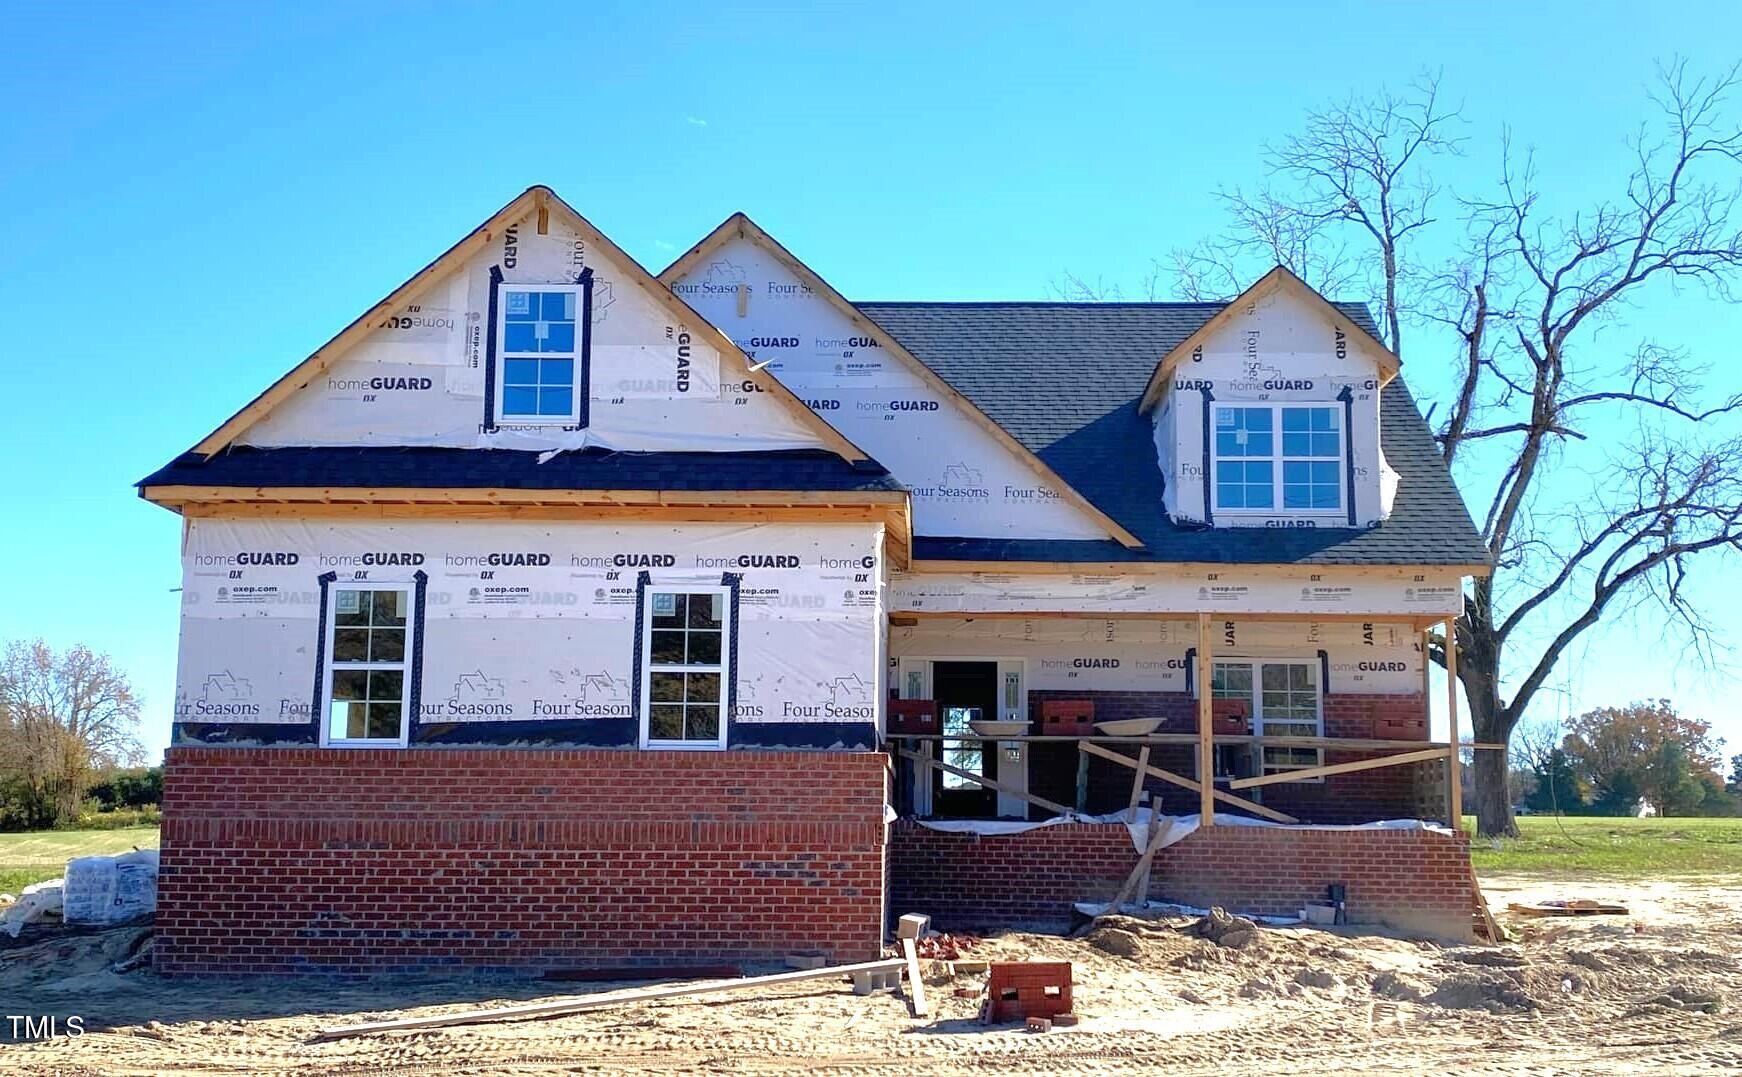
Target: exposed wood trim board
(437,495)
(739,225)
(1140,568)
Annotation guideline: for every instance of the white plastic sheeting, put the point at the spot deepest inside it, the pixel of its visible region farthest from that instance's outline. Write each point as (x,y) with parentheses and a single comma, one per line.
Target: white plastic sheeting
(529,620)
(38,902)
(658,382)
(1076,654)
(1230,592)
(964,481)
(1183,826)
(1280,350)
(110,889)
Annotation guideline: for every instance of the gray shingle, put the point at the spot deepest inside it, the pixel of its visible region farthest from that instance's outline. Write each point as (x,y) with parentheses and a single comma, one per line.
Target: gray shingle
(592,469)
(1065,379)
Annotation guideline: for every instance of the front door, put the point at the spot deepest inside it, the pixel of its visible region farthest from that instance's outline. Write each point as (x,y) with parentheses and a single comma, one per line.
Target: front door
(965,692)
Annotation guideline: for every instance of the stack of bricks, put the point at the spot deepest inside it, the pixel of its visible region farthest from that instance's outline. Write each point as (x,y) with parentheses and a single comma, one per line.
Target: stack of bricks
(1411,879)
(309,860)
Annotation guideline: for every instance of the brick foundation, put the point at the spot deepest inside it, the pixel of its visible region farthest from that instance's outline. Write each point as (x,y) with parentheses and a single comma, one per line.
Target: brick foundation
(308,860)
(1412,880)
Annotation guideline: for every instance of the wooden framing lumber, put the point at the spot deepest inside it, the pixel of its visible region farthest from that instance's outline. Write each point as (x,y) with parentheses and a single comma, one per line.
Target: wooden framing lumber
(1137,777)
(1206,728)
(978,779)
(1139,876)
(1350,744)
(559,1007)
(1186,783)
(1454,779)
(1338,768)
(1203,569)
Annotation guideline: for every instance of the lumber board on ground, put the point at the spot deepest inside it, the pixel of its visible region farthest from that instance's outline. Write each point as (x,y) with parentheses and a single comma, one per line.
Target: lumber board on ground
(559,1007)
(915,984)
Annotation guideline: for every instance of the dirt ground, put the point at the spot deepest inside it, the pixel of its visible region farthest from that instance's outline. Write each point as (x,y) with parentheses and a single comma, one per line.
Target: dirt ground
(1654,992)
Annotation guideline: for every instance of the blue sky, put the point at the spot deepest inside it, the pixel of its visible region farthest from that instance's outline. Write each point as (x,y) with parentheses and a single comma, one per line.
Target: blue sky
(192,200)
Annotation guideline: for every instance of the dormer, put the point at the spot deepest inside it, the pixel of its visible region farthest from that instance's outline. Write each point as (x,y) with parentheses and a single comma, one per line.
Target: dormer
(1268,415)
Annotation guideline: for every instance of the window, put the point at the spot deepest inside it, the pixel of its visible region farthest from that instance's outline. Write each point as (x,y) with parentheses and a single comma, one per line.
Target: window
(368,638)
(687,665)
(1303,472)
(1285,703)
(537,342)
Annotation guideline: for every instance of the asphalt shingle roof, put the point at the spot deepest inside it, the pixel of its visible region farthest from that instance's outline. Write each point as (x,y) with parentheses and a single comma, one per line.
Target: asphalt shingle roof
(1065,380)
(592,469)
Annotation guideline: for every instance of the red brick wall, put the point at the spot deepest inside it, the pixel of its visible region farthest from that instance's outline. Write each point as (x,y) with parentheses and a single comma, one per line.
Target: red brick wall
(314,860)
(1414,880)
(1364,796)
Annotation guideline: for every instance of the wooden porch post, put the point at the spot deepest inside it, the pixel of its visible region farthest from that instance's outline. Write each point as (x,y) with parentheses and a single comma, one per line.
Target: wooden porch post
(1454,780)
(1206,743)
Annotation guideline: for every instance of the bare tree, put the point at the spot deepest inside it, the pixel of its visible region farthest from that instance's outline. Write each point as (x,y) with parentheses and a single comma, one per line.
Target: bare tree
(1668,482)
(1596,480)
(1357,174)
(62,716)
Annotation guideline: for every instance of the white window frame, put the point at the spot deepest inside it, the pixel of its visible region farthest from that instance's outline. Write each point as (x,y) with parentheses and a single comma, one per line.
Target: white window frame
(649,667)
(406,588)
(1257,704)
(1276,459)
(573,417)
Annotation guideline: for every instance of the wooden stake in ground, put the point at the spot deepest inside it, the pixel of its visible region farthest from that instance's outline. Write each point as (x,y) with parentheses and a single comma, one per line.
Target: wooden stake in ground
(561,1007)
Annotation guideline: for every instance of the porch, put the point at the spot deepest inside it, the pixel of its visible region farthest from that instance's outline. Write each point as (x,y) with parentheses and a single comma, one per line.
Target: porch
(1306,720)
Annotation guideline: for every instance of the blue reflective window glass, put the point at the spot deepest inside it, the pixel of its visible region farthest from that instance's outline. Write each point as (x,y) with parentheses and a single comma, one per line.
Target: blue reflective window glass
(1227,443)
(520,372)
(1324,419)
(555,401)
(1297,444)
(520,337)
(1256,418)
(1259,443)
(557,371)
(1324,444)
(1230,495)
(519,400)
(559,337)
(559,306)
(517,307)
(1294,419)
(1259,497)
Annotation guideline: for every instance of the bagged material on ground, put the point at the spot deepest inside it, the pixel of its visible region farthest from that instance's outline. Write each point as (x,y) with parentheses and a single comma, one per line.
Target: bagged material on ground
(39,901)
(110,889)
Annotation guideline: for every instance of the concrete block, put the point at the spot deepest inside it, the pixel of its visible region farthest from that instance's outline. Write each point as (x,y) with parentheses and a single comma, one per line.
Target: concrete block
(912,925)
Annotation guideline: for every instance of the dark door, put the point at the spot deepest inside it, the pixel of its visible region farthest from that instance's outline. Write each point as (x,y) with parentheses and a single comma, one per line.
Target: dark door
(965,691)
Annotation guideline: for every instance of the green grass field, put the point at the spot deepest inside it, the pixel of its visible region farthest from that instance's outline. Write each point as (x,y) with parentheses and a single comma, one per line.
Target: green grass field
(43,854)
(1619,848)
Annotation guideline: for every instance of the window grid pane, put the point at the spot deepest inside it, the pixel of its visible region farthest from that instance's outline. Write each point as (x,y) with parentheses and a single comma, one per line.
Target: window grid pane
(686,689)
(1289,707)
(367,695)
(1312,458)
